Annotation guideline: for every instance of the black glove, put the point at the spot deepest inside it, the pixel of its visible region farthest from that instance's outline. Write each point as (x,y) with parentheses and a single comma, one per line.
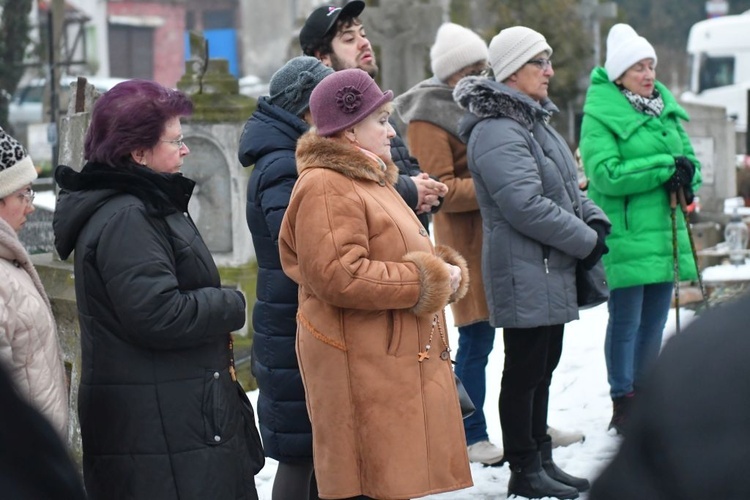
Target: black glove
(683,175)
(591,259)
(685,169)
(600,227)
(689,195)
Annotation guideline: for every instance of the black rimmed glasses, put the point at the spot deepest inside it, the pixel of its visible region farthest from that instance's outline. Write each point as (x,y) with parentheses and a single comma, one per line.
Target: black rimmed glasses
(177,142)
(541,63)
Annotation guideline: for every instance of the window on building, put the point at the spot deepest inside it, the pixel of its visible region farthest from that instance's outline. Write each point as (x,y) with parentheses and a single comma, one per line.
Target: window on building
(218,19)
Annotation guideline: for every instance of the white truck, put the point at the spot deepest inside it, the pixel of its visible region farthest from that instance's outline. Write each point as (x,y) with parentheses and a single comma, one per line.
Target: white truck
(719,50)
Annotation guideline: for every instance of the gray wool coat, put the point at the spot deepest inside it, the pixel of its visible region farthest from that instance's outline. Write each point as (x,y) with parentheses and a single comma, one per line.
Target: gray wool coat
(534,215)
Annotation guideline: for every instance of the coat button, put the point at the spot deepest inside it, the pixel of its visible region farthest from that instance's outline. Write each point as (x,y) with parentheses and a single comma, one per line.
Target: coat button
(185,214)
(423,232)
(216,375)
(217,438)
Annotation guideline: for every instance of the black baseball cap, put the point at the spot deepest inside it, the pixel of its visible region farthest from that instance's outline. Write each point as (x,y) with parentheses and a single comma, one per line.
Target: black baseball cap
(322,19)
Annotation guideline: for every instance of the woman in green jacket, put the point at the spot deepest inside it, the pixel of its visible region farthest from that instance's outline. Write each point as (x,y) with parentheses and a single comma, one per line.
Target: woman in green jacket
(636,153)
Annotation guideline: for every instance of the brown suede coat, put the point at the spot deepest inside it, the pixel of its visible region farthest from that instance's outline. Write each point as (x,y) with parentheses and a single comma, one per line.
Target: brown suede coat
(370,283)
(458,224)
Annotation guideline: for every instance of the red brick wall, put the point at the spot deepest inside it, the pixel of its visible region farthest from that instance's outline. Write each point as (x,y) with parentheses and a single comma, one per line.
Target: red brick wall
(169,45)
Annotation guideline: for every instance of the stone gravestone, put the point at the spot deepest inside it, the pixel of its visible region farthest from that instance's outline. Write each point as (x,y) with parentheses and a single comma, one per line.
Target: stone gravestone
(403,31)
(713,139)
(56,275)
(212,133)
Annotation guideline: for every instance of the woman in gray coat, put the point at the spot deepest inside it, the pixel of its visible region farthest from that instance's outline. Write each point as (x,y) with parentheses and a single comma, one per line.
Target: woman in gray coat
(537,226)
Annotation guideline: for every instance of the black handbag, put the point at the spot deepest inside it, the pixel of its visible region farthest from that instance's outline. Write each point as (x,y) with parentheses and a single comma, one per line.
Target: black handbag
(252,436)
(467,405)
(591,285)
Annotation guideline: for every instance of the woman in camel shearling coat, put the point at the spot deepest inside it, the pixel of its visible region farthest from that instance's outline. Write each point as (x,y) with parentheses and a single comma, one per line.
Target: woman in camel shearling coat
(385,424)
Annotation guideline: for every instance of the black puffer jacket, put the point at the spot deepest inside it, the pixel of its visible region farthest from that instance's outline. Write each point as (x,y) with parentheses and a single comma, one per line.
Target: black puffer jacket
(160,417)
(407,168)
(268,143)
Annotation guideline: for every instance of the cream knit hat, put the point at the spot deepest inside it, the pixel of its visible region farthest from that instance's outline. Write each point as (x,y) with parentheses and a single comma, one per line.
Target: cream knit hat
(624,49)
(16,168)
(455,48)
(513,47)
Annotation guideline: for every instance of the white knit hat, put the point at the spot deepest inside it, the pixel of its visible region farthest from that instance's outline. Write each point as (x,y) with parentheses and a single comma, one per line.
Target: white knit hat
(624,49)
(16,168)
(513,47)
(455,48)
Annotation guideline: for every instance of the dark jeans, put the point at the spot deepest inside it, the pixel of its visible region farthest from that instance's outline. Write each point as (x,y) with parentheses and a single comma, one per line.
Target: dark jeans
(637,316)
(474,346)
(531,355)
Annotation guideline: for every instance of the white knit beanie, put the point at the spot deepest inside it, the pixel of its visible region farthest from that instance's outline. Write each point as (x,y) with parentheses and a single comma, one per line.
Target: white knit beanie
(624,49)
(455,48)
(16,168)
(513,47)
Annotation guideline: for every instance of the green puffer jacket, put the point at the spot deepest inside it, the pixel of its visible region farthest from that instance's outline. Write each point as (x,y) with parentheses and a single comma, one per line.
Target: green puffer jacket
(628,156)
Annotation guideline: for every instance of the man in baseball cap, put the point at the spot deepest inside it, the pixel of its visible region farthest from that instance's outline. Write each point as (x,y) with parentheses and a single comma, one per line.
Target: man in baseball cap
(336,36)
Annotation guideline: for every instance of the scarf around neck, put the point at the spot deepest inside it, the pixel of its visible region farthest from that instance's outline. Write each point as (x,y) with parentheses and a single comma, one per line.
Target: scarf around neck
(652,106)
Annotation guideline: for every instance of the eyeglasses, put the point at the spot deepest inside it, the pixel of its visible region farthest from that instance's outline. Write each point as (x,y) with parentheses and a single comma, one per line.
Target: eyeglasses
(177,142)
(541,63)
(476,71)
(28,196)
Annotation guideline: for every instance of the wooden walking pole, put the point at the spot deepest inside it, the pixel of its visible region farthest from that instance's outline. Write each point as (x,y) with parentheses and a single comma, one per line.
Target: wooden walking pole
(675,257)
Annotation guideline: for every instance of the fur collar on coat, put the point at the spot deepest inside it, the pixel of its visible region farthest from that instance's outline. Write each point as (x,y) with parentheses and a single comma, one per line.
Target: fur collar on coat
(314,151)
(486,98)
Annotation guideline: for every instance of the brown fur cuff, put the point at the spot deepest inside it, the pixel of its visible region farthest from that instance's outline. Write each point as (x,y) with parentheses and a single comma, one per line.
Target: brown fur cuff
(451,256)
(435,280)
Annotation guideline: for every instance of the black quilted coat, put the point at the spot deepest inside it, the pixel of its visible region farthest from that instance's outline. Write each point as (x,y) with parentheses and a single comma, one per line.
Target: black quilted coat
(160,417)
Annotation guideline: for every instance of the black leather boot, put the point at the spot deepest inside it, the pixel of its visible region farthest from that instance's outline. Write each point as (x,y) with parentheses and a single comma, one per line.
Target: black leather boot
(531,481)
(553,471)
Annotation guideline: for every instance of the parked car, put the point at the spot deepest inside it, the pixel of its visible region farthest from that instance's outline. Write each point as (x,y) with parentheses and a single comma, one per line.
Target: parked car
(26,105)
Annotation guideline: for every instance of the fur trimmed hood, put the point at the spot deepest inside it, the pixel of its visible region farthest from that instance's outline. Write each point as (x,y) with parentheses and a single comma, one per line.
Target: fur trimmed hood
(314,151)
(485,98)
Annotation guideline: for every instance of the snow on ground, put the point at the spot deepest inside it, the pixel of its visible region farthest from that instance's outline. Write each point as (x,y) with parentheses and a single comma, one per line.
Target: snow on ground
(579,399)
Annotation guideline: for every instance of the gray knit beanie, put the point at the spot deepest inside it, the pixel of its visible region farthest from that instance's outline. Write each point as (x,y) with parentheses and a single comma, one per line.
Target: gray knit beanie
(455,48)
(513,47)
(292,84)
(16,168)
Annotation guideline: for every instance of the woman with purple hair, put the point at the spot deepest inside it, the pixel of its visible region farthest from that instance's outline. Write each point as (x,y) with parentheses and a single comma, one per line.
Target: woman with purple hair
(160,416)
